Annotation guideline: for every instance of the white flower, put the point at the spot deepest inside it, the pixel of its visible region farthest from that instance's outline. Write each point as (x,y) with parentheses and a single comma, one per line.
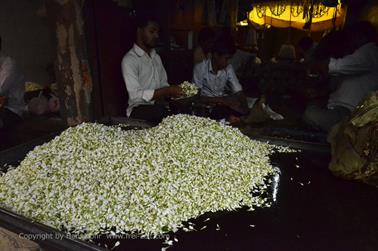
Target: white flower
(189,89)
(94,179)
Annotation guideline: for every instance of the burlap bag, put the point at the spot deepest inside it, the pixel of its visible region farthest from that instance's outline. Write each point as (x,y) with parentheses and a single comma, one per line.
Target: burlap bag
(354,144)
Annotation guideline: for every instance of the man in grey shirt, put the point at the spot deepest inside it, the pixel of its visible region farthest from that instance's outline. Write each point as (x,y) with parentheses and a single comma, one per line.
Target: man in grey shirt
(218,82)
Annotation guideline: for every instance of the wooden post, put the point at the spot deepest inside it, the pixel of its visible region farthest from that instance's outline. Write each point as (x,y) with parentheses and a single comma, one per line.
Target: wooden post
(211,13)
(198,13)
(72,65)
(229,13)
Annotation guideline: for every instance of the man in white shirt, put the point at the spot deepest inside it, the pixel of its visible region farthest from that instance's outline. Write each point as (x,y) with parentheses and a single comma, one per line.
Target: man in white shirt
(12,89)
(145,76)
(359,72)
(218,82)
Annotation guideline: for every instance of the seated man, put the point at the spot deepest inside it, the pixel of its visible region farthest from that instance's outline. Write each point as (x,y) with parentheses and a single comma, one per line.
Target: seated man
(12,89)
(145,76)
(359,72)
(218,82)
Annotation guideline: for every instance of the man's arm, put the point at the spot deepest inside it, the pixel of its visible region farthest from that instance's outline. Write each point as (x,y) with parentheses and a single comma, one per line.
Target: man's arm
(130,76)
(198,76)
(172,91)
(233,80)
(356,63)
(167,90)
(237,101)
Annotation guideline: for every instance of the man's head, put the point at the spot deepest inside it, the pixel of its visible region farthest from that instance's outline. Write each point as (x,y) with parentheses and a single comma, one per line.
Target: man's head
(223,50)
(286,53)
(147,31)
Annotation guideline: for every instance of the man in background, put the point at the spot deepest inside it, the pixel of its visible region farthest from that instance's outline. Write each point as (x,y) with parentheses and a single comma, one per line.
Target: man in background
(218,82)
(145,76)
(12,89)
(359,72)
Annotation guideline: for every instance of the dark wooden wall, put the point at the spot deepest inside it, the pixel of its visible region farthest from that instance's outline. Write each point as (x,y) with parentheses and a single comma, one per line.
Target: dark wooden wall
(110,32)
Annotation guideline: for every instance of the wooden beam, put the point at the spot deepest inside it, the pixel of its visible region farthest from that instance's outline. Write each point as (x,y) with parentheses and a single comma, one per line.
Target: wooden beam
(72,65)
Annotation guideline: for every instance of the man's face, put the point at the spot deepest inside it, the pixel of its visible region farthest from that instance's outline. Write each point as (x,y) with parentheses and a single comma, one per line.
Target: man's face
(222,61)
(149,34)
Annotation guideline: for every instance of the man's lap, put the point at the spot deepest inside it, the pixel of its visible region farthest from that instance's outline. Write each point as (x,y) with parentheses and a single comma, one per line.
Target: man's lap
(323,118)
(153,113)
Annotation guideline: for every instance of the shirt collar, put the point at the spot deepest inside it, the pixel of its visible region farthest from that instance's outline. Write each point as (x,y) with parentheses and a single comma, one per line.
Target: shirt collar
(140,52)
(210,67)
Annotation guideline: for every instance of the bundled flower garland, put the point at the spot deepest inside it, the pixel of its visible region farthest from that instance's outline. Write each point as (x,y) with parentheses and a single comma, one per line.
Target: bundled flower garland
(95,179)
(189,89)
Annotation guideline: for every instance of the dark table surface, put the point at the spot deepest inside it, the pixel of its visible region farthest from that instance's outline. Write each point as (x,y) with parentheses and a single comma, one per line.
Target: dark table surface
(313,211)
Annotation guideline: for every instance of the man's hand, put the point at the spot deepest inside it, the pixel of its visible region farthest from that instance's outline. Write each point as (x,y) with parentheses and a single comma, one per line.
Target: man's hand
(234,120)
(172,91)
(175,91)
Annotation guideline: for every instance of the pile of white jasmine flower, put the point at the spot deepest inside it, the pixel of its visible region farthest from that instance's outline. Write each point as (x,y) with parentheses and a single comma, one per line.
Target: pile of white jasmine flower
(189,89)
(95,179)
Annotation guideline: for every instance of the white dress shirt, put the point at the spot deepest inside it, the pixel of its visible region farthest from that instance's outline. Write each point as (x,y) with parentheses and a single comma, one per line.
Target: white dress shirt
(143,74)
(360,76)
(215,84)
(12,85)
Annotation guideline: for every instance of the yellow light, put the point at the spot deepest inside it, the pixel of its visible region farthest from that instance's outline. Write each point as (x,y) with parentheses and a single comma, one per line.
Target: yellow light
(243,23)
(286,19)
(372,15)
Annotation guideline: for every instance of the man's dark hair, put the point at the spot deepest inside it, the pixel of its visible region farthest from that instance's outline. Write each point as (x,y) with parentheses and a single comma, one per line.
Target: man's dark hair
(224,45)
(143,19)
